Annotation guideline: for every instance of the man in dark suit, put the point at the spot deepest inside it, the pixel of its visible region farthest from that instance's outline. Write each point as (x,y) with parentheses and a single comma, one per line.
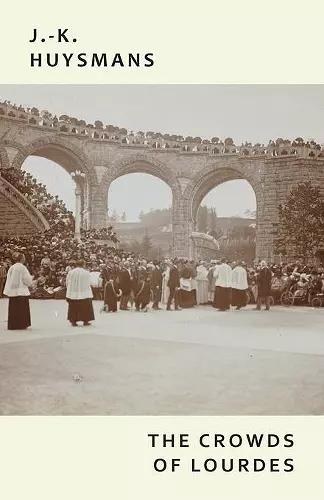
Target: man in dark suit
(174,286)
(125,284)
(156,285)
(264,279)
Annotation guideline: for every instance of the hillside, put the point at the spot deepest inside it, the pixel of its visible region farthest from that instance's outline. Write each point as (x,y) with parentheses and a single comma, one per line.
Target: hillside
(161,234)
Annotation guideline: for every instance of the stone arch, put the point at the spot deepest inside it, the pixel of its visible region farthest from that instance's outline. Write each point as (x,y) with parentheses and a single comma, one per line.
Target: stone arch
(140,163)
(65,154)
(58,150)
(213,176)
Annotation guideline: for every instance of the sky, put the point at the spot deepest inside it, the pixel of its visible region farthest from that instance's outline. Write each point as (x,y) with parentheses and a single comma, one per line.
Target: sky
(253,113)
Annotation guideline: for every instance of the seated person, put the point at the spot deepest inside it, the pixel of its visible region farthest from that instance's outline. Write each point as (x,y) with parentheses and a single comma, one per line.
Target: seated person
(315,285)
(301,286)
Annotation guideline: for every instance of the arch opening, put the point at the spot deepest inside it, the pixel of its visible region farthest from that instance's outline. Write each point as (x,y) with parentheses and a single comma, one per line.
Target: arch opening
(224,206)
(53,176)
(139,206)
(41,159)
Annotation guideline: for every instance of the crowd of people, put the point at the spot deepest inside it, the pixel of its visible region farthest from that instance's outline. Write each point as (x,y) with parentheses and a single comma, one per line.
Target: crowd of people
(125,279)
(51,256)
(51,207)
(136,282)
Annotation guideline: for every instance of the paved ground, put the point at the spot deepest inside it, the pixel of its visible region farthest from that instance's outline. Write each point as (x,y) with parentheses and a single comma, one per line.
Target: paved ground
(194,362)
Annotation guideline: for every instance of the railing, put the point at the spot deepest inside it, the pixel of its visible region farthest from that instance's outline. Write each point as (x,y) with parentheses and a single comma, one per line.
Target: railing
(159,142)
(34,215)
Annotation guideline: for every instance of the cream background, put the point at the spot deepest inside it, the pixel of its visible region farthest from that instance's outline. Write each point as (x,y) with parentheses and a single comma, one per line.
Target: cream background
(99,458)
(209,41)
(204,42)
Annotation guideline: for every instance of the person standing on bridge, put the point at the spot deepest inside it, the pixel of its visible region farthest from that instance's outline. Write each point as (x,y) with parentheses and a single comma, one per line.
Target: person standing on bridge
(16,288)
(79,295)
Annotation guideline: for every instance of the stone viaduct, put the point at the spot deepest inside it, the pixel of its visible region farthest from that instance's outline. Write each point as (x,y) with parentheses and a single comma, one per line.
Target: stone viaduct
(191,167)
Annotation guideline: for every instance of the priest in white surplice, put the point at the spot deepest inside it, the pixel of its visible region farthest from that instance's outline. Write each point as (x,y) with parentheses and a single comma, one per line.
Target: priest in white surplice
(202,283)
(79,295)
(239,286)
(223,276)
(16,288)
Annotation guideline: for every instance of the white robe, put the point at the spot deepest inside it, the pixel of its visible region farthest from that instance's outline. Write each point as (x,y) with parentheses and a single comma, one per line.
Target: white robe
(202,285)
(165,288)
(18,281)
(78,284)
(223,275)
(239,278)
(95,279)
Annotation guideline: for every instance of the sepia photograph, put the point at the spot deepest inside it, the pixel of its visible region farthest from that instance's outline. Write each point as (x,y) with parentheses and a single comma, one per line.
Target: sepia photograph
(161,249)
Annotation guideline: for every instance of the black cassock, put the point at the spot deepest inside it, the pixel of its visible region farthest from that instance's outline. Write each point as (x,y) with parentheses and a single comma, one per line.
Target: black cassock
(18,313)
(110,296)
(80,310)
(239,297)
(222,298)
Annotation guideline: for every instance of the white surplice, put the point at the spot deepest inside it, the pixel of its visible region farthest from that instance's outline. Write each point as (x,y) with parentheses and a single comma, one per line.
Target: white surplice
(18,281)
(202,285)
(78,284)
(239,278)
(223,275)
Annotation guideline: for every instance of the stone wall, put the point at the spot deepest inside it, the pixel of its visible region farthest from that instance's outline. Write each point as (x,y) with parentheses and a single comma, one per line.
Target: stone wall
(190,170)
(13,222)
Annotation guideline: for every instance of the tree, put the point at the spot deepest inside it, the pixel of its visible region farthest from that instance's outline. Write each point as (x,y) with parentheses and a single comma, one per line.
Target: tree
(114,217)
(146,246)
(300,227)
(229,141)
(156,218)
(202,219)
(98,124)
(215,140)
(250,214)
(212,220)
(46,115)
(123,217)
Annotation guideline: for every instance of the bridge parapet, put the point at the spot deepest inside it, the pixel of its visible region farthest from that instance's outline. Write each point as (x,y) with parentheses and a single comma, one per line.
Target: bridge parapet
(156,141)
